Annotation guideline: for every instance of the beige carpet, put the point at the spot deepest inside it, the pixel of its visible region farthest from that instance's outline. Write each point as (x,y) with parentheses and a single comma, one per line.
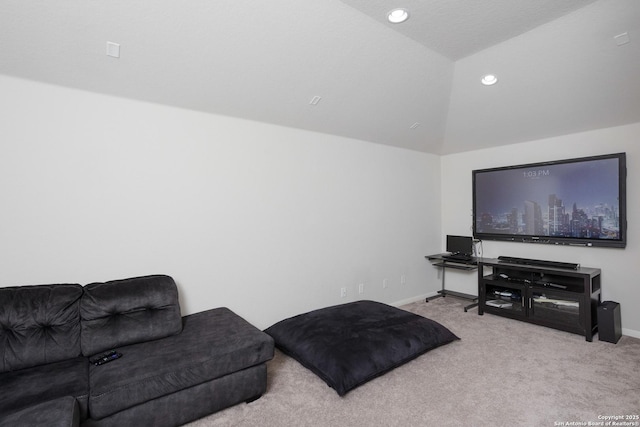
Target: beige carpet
(501,373)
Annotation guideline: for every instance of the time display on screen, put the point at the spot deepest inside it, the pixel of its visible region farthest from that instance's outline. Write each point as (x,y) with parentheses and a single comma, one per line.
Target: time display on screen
(536,173)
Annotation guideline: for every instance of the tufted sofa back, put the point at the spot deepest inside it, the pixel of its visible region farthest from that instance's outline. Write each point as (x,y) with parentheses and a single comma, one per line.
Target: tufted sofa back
(49,323)
(128,311)
(38,325)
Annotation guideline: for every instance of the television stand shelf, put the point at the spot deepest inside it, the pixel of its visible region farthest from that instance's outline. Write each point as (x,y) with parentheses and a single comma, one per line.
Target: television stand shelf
(438,260)
(560,298)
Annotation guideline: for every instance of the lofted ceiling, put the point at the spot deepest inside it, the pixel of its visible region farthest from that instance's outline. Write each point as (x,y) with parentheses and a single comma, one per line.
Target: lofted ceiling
(338,67)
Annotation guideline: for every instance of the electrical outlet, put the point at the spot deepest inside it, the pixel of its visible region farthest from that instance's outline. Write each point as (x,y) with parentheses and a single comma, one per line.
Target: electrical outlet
(385,283)
(361,288)
(343,292)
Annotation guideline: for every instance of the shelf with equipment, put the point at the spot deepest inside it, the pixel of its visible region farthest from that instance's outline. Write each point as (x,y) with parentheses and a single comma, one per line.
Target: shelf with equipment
(560,298)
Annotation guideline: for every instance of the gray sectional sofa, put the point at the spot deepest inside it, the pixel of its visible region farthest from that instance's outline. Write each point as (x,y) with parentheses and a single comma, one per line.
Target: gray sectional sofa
(173,369)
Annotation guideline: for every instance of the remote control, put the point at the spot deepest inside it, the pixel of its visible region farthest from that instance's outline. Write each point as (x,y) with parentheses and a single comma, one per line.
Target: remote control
(105,358)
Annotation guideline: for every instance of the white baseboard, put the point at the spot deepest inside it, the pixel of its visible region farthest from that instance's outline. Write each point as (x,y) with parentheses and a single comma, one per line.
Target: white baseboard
(630,333)
(413,299)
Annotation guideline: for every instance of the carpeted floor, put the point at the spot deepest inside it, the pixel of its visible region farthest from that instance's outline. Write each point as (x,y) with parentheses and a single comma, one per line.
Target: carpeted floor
(501,373)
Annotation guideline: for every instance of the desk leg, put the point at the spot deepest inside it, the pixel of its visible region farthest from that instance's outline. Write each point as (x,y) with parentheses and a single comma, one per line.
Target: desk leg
(475,304)
(441,293)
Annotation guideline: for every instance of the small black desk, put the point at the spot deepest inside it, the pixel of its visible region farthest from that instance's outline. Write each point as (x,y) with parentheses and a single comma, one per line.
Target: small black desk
(438,260)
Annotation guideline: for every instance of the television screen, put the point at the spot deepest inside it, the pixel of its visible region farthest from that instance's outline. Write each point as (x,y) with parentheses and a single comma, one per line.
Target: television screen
(568,202)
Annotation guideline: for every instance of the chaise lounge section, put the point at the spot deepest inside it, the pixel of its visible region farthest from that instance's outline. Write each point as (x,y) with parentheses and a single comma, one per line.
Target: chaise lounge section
(173,369)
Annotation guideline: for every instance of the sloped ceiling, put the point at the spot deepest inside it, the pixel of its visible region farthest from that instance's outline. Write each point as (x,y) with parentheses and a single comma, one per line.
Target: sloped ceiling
(414,85)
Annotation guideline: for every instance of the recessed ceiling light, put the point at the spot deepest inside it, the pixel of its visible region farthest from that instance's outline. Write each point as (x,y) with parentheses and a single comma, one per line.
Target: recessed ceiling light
(489,80)
(397,16)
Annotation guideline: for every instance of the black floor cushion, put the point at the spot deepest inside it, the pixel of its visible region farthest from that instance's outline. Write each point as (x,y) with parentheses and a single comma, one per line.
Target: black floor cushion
(349,344)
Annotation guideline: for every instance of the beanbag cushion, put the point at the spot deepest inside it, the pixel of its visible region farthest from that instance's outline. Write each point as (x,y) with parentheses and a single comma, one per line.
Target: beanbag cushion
(349,344)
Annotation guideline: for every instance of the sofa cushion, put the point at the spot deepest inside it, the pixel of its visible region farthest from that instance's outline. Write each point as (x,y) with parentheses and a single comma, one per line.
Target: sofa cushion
(27,387)
(128,311)
(38,325)
(212,344)
(195,402)
(61,412)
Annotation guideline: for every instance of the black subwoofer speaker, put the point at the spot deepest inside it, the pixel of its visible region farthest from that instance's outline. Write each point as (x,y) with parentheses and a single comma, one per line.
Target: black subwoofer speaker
(609,325)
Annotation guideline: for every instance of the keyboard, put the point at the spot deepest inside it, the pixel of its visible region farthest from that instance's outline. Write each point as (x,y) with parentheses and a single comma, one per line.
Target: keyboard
(457,257)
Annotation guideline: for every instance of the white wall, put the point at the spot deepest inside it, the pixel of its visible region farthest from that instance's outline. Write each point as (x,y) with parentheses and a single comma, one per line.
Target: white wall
(620,280)
(267,220)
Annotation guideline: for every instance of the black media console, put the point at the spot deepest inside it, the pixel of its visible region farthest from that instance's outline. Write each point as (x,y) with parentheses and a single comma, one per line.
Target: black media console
(562,296)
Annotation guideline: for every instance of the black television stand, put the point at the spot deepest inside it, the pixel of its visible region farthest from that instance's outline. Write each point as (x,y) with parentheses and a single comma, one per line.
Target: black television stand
(439,260)
(557,297)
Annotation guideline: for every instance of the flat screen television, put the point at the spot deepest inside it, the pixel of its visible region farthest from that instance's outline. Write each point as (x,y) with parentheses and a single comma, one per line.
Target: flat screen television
(567,202)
